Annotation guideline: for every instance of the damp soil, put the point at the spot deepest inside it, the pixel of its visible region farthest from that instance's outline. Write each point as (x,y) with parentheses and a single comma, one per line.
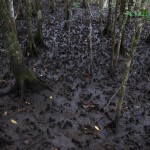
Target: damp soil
(71,116)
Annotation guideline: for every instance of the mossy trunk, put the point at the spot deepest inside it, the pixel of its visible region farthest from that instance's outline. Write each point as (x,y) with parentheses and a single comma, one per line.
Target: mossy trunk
(31,44)
(21,73)
(39,34)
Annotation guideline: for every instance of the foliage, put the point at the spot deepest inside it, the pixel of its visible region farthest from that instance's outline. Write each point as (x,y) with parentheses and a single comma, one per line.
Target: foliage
(76,5)
(139,13)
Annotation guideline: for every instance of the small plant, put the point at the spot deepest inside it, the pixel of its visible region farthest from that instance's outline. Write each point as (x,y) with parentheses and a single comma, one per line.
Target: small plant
(139,13)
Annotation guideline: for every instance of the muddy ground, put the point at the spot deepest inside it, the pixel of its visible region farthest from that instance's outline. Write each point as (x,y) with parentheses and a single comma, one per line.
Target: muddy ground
(71,116)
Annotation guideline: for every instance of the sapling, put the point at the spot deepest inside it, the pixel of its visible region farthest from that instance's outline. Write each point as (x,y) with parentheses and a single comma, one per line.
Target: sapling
(137,32)
(113,39)
(127,70)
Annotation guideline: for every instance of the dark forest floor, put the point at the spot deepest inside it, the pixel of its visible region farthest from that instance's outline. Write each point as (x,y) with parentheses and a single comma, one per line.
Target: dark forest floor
(65,118)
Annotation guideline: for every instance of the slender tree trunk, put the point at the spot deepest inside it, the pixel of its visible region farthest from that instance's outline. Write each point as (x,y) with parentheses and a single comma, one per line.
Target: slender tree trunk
(101,6)
(113,33)
(127,70)
(107,29)
(39,33)
(67,13)
(122,31)
(31,44)
(21,73)
(119,42)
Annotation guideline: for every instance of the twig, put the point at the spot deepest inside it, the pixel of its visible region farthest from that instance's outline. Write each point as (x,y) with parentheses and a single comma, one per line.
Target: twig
(106,107)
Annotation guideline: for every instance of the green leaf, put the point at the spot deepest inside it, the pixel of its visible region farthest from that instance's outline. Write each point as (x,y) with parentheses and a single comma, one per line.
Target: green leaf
(139,13)
(128,13)
(135,13)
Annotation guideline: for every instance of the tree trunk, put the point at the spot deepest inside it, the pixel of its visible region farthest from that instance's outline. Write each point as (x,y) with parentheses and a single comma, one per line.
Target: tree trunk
(113,33)
(20,72)
(107,29)
(127,70)
(12,13)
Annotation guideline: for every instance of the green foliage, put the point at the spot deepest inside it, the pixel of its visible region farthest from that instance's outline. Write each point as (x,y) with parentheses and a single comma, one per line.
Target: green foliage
(139,13)
(76,5)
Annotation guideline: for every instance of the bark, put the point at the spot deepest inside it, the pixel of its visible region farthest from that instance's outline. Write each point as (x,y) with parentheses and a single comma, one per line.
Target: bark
(20,72)
(31,44)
